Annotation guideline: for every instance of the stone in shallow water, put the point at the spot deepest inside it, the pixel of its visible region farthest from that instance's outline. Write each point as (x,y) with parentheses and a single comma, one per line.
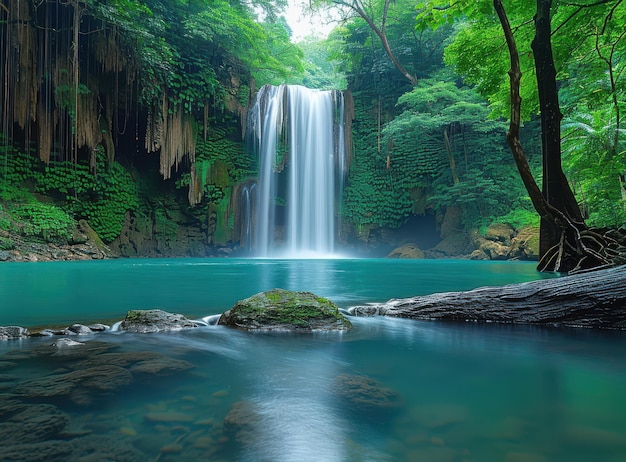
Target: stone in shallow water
(13,332)
(80,329)
(168,417)
(48,451)
(9,406)
(4,365)
(173,448)
(365,394)
(440,415)
(280,309)
(33,424)
(80,386)
(148,321)
(161,367)
(241,422)
(99,448)
(66,342)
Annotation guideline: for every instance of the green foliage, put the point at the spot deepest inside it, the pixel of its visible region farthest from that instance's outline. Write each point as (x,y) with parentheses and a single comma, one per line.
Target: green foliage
(101,199)
(519,217)
(45,221)
(594,165)
(321,71)
(444,141)
(588,45)
(166,230)
(6,224)
(66,95)
(221,162)
(6,244)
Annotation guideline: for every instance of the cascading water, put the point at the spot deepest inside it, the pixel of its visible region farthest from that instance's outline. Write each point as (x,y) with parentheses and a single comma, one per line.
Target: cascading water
(245,201)
(300,140)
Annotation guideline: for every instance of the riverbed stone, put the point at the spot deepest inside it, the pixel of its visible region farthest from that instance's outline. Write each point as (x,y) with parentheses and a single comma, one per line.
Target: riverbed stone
(13,332)
(5,365)
(280,309)
(66,342)
(149,321)
(101,448)
(366,395)
(98,327)
(33,424)
(407,251)
(161,367)
(80,329)
(80,387)
(49,451)
(241,423)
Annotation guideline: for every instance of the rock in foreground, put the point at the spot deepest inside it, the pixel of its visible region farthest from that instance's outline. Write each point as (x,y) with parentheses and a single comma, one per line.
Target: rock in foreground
(280,309)
(145,321)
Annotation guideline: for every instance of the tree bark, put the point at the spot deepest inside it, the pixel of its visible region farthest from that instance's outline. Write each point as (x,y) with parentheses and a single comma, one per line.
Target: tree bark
(594,299)
(512,136)
(566,245)
(555,186)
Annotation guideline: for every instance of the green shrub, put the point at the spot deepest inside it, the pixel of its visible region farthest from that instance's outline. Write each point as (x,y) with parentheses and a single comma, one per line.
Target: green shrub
(6,243)
(46,221)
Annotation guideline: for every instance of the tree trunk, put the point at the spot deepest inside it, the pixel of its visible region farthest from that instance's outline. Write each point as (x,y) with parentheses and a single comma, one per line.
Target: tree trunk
(566,245)
(556,189)
(594,299)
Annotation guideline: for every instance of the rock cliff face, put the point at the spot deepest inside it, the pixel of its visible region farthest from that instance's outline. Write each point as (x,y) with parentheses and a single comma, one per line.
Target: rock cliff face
(167,234)
(84,245)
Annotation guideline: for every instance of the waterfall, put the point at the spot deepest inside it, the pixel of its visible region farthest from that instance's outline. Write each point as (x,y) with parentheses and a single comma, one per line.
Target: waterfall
(298,135)
(248,190)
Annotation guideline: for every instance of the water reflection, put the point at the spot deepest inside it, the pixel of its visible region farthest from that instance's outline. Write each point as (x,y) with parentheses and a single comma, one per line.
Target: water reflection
(466,392)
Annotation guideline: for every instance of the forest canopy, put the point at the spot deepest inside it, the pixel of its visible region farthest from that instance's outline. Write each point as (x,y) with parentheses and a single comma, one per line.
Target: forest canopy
(99,93)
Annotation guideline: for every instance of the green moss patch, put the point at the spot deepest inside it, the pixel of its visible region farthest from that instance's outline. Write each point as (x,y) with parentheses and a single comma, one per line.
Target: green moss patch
(280,309)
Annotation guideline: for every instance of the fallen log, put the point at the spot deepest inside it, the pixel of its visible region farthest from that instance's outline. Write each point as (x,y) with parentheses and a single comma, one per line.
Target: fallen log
(593,299)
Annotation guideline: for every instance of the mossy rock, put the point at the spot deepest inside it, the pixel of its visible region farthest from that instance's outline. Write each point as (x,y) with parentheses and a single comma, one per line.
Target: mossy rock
(147,321)
(525,245)
(280,309)
(407,251)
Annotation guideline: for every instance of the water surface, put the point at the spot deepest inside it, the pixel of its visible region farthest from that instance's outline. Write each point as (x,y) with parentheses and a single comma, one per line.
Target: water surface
(431,391)
(35,294)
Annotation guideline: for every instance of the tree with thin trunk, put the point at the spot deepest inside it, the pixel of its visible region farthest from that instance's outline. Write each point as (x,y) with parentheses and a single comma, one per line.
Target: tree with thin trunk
(366,11)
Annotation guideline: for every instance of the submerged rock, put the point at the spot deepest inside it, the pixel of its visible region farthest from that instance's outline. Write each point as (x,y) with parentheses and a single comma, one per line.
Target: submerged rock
(280,309)
(148,321)
(101,448)
(80,387)
(50,451)
(365,395)
(32,424)
(242,422)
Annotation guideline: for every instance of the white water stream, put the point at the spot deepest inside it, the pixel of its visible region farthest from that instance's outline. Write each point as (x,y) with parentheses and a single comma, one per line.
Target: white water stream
(299,138)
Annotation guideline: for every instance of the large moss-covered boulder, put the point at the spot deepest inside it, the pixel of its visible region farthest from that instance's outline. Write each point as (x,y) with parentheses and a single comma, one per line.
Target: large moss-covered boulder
(280,309)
